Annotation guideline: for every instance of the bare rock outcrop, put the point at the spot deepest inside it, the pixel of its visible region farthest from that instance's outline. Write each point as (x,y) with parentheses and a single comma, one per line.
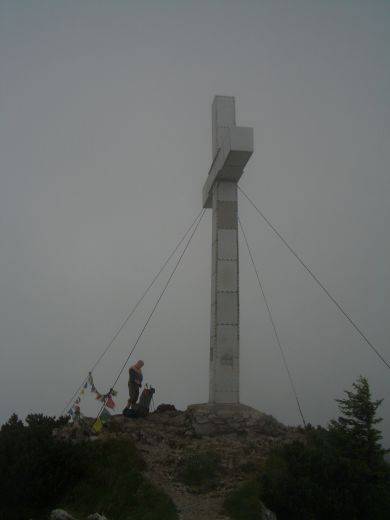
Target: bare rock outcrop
(61,514)
(240,436)
(239,419)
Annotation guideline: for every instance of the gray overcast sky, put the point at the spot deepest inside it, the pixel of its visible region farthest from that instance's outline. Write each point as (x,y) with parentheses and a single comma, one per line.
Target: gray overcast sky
(105,143)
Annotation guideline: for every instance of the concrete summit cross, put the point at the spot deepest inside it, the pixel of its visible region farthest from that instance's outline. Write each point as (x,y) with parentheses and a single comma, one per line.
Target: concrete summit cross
(232,147)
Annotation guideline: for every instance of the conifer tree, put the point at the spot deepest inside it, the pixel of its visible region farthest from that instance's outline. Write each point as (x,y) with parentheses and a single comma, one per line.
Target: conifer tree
(355,429)
(337,473)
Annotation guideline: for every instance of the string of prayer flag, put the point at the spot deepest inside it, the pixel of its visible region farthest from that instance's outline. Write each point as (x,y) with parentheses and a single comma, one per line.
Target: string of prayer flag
(105,416)
(97,425)
(110,403)
(104,398)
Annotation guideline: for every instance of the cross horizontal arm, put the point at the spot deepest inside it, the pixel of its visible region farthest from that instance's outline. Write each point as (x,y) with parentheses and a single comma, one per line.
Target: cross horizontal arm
(230,159)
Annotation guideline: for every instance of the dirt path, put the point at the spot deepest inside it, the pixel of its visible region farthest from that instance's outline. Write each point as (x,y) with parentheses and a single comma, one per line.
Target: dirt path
(167,439)
(162,471)
(164,442)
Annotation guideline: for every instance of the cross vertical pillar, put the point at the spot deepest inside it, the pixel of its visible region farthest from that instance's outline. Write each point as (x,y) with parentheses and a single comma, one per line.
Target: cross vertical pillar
(224,336)
(232,147)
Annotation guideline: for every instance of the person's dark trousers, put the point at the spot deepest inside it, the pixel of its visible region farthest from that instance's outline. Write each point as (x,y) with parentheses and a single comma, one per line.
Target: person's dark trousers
(133,393)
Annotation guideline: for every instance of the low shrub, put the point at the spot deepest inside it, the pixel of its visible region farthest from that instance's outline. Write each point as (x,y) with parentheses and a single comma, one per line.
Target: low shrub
(40,473)
(338,472)
(244,503)
(36,469)
(115,486)
(199,470)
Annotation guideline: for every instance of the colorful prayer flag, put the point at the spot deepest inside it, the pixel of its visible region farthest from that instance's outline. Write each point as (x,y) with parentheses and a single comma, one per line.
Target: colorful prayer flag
(70,411)
(86,384)
(82,391)
(114,392)
(97,425)
(98,396)
(93,388)
(110,403)
(105,416)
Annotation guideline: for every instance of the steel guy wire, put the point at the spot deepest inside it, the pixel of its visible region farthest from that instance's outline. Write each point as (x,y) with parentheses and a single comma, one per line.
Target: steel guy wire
(124,322)
(155,306)
(277,337)
(319,283)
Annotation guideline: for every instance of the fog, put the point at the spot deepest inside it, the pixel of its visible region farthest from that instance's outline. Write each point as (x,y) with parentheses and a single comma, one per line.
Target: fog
(105,143)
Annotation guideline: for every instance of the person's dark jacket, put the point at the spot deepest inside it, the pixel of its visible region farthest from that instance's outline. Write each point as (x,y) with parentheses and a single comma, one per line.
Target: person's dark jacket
(135,377)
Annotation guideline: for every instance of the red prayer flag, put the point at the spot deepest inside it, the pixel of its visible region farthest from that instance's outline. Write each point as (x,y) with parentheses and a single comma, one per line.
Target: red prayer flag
(110,403)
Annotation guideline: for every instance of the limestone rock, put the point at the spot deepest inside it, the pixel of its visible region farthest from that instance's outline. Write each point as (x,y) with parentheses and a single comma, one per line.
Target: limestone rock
(60,514)
(240,436)
(268,514)
(163,407)
(76,431)
(222,419)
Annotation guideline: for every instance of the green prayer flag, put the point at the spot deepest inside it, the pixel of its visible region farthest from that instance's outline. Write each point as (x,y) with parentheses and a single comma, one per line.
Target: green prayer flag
(105,416)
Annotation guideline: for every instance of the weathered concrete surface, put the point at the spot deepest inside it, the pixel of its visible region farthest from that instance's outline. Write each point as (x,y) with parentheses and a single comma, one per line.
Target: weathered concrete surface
(232,148)
(224,419)
(224,331)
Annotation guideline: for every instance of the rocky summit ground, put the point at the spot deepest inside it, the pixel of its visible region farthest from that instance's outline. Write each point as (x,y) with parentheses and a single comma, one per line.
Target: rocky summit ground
(239,436)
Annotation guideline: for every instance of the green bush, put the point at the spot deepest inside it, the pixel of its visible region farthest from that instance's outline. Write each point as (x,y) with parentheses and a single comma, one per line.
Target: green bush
(199,470)
(115,486)
(244,503)
(36,470)
(306,481)
(40,473)
(333,474)
(338,473)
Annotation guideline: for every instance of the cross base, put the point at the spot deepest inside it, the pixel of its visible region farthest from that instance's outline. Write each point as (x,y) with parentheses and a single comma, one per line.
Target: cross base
(226,419)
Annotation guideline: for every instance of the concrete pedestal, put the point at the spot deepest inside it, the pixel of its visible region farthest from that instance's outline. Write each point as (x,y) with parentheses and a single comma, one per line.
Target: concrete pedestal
(224,419)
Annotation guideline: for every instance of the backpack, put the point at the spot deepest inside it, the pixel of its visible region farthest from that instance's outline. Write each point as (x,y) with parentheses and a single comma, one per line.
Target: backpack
(128,412)
(141,409)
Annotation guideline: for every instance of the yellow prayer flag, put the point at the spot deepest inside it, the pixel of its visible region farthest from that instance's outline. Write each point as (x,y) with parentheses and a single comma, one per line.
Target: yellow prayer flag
(82,392)
(97,425)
